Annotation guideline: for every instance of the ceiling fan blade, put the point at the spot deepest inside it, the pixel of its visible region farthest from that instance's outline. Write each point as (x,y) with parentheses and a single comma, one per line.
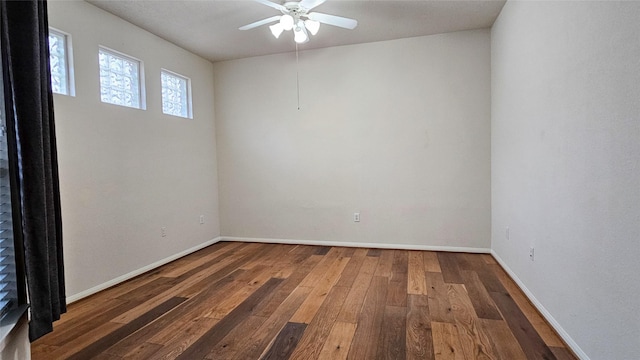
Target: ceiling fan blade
(272,4)
(310,4)
(260,22)
(338,21)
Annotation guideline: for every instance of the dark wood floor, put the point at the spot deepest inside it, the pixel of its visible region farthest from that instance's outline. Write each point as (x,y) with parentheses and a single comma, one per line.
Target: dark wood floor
(266,301)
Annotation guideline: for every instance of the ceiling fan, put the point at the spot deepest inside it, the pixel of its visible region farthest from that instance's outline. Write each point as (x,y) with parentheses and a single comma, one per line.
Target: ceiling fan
(296,16)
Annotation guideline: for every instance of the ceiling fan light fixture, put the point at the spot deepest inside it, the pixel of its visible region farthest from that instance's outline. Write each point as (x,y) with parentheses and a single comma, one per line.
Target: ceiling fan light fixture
(297,16)
(300,34)
(313,26)
(276,29)
(287,22)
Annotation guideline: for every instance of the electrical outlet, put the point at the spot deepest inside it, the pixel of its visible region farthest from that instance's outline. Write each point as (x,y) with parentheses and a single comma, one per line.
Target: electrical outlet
(163,231)
(356,217)
(201,219)
(531,253)
(506,233)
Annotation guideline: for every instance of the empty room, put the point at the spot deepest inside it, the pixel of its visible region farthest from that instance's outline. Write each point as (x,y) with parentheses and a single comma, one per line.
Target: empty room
(320,180)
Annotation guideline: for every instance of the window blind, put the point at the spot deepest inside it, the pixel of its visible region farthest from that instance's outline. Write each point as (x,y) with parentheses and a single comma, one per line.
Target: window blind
(8,279)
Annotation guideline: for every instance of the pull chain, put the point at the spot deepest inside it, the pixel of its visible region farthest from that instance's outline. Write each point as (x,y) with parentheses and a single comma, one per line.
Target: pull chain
(297,77)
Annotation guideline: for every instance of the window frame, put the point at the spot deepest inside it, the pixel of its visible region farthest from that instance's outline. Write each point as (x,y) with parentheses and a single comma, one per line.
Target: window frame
(189,99)
(68,57)
(142,101)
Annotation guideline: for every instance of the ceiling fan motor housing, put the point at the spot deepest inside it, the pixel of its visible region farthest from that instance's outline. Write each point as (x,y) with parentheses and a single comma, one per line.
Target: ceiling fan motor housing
(294,9)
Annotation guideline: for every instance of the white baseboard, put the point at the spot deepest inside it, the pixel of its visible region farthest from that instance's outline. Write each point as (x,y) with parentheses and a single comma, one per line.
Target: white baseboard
(547,315)
(359,244)
(137,272)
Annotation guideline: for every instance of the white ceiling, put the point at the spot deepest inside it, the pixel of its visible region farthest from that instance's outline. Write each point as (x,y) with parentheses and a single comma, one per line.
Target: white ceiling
(210,28)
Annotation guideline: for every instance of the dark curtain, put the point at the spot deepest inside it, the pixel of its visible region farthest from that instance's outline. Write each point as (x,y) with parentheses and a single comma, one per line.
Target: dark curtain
(32,147)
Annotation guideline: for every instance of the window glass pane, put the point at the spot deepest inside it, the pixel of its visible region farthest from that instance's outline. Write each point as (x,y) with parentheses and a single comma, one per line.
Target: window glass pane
(58,61)
(175,94)
(119,79)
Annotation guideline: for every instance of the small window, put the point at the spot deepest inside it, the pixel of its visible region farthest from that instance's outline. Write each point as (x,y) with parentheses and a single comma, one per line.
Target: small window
(60,61)
(176,94)
(120,77)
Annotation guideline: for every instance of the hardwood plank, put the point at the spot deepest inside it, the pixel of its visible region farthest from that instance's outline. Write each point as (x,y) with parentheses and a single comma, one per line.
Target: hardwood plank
(112,338)
(287,265)
(284,290)
(164,328)
(416,283)
(200,305)
(384,264)
(276,253)
(312,304)
(562,353)
(400,266)
(250,347)
(235,339)
(348,252)
(431,263)
(397,292)
(370,320)
(374,252)
(488,259)
(64,333)
(83,340)
(475,343)
(450,268)
(319,271)
(337,345)
(465,261)
(318,330)
(504,342)
(303,249)
(353,303)
(166,293)
(482,302)
(446,343)
(201,259)
(224,307)
(150,290)
(106,356)
(222,269)
(190,332)
(230,284)
(530,341)
(43,351)
(161,283)
(182,262)
(547,334)
(439,306)
(285,342)
(393,341)
(201,347)
(191,282)
(83,310)
(322,250)
(352,269)
(490,281)
(144,351)
(419,343)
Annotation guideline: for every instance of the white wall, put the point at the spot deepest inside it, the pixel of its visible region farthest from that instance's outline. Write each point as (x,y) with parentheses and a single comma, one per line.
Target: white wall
(566,165)
(125,173)
(397,130)
(14,343)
